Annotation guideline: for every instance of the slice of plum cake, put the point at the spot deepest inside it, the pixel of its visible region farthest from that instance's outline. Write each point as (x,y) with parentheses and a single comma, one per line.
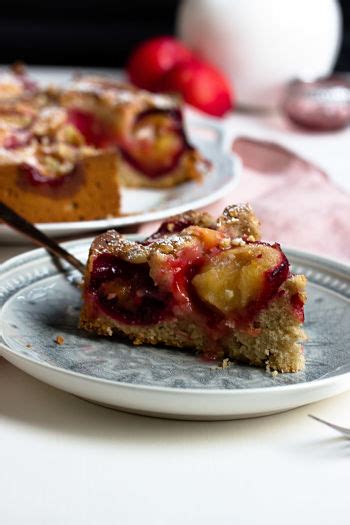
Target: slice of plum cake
(212,286)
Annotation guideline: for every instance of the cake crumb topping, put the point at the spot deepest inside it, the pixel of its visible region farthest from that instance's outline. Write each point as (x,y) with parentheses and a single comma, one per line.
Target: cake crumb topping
(226,363)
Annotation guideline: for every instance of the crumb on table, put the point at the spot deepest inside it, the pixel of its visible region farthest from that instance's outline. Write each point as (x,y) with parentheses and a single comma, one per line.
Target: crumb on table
(59,340)
(225,363)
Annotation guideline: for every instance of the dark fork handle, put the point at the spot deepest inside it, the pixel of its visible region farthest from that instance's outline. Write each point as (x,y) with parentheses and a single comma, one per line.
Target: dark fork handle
(11,218)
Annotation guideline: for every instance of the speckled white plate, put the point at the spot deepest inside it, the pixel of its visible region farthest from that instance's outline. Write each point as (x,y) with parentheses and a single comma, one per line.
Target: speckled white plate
(40,300)
(144,205)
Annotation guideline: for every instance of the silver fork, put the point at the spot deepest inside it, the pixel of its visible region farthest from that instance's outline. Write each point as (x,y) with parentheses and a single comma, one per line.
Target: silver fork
(343,430)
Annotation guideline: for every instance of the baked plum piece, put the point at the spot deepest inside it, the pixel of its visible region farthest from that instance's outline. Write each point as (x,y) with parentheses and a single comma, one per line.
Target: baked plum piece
(146,128)
(212,286)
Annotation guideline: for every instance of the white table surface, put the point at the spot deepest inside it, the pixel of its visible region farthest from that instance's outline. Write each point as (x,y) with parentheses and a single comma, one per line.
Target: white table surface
(66,461)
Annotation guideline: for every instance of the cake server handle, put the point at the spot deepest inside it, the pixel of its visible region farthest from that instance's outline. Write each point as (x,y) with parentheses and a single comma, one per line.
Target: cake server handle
(15,221)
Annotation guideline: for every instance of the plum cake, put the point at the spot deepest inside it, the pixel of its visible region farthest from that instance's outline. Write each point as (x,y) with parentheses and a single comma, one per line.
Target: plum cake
(47,172)
(65,151)
(211,286)
(146,128)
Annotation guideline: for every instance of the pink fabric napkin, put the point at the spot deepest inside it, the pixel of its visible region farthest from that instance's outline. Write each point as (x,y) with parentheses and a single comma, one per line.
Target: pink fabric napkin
(295,201)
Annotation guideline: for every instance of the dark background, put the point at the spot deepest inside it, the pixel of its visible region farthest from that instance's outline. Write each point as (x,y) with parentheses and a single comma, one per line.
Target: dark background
(95,33)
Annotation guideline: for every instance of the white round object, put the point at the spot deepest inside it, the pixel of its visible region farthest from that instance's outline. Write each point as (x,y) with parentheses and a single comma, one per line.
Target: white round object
(262,45)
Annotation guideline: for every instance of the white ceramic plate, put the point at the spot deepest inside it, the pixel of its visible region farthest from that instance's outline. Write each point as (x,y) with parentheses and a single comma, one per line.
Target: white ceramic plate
(145,205)
(40,301)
